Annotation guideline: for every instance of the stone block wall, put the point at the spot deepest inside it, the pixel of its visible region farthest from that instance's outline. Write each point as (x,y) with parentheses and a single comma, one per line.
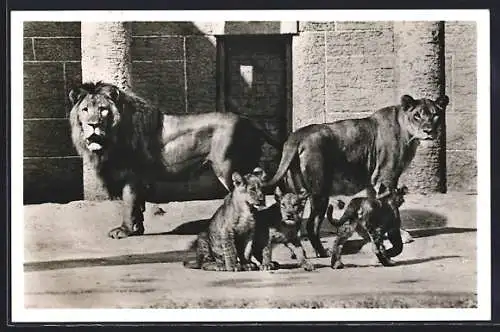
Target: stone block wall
(340,70)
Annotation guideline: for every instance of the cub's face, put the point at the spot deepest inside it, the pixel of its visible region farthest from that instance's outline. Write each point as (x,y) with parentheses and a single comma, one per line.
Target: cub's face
(248,189)
(291,206)
(396,199)
(423,115)
(96,115)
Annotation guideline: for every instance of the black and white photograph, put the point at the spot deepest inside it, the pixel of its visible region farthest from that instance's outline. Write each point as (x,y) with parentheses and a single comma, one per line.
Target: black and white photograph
(320,165)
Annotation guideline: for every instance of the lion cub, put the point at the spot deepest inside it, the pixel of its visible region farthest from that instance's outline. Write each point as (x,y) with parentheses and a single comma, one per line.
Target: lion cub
(280,223)
(372,218)
(226,244)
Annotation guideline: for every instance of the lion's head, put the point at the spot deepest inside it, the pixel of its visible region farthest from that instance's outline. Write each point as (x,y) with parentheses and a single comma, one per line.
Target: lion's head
(94,116)
(248,189)
(291,205)
(423,116)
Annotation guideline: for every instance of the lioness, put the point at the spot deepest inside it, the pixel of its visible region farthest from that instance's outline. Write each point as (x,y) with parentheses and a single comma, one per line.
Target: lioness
(371,218)
(280,223)
(132,145)
(349,156)
(227,244)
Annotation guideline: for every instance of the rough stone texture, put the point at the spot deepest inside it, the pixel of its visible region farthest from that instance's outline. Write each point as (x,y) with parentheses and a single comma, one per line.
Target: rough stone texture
(105,56)
(201,63)
(462,170)
(47,138)
(305,26)
(357,84)
(363,25)
(28,54)
(52,180)
(57,49)
(308,51)
(157,48)
(176,28)
(44,91)
(162,84)
(51,29)
(259,27)
(73,77)
(420,59)
(370,42)
(336,116)
(461,131)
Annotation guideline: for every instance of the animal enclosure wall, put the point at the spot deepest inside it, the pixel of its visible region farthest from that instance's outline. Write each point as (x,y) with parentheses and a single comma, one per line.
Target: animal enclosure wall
(338,70)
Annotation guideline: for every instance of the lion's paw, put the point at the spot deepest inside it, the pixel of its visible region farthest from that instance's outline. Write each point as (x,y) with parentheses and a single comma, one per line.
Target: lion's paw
(406,237)
(293,256)
(250,267)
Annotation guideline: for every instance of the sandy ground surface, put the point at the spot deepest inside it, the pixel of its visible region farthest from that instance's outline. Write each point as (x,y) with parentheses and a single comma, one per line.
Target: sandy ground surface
(71,263)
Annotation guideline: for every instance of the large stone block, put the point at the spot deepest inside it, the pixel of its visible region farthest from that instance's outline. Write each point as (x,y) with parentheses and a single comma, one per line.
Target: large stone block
(309,26)
(461,131)
(337,116)
(162,84)
(44,91)
(73,78)
(308,79)
(47,138)
(172,28)
(57,49)
(357,84)
(462,170)
(201,56)
(363,25)
(460,36)
(157,48)
(52,180)
(51,29)
(365,43)
(28,54)
(464,82)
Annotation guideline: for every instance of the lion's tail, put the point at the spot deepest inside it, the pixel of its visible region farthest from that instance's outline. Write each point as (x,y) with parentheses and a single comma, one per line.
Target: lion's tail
(193,264)
(329,215)
(290,150)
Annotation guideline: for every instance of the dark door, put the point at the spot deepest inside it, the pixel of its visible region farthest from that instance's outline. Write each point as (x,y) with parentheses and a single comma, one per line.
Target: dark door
(256,84)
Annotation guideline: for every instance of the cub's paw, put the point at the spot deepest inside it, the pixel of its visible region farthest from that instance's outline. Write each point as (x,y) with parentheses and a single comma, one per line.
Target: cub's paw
(271,266)
(337,265)
(406,237)
(119,233)
(138,229)
(293,256)
(308,266)
(250,267)
(324,253)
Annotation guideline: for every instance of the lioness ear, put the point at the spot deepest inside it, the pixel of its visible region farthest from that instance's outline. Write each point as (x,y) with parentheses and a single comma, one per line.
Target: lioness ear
(260,173)
(278,194)
(237,179)
(442,102)
(77,94)
(407,102)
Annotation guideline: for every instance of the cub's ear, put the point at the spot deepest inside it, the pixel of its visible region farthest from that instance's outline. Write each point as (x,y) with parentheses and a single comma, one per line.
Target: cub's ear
(442,102)
(237,179)
(76,94)
(278,194)
(407,102)
(112,92)
(260,173)
(303,194)
(403,190)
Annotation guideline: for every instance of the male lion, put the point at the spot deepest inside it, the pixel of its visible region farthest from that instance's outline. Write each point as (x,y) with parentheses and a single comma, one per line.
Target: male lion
(349,156)
(226,244)
(280,223)
(131,145)
(372,219)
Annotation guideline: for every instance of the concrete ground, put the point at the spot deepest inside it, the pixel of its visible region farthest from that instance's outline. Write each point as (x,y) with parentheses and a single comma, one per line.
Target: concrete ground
(71,263)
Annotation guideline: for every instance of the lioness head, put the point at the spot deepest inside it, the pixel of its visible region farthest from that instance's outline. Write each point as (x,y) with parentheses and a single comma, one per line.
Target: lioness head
(248,189)
(94,115)
(423,115)
(291,205)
